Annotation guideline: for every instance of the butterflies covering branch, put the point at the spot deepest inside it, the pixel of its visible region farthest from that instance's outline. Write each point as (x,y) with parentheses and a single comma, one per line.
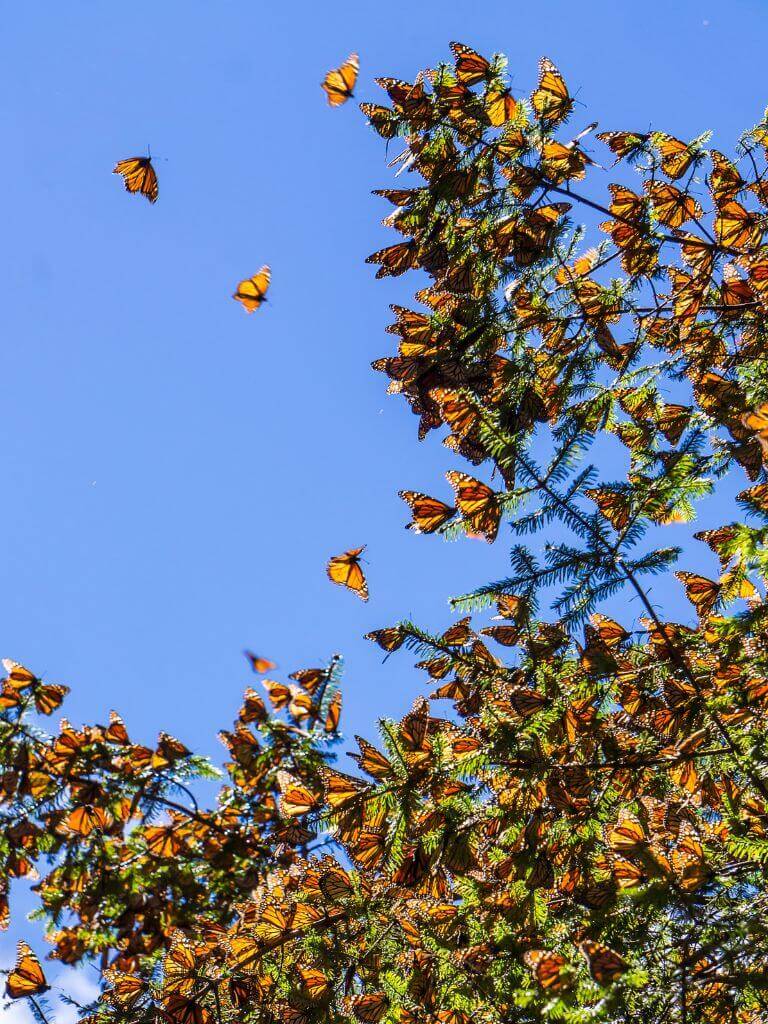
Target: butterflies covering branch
(573,824)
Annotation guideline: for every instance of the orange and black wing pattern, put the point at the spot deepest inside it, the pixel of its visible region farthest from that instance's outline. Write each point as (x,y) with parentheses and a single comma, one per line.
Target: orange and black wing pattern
(340,82)
(345,570)
(26,978)
(252,291)
(138,176)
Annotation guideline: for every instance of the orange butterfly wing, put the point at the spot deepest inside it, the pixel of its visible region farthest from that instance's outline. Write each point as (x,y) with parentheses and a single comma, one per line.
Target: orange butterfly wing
(252,291)
(477,503)
(26,978)
(259,665)
(429,514)
(339,83)
(138,176)
(551,100)
(345,570)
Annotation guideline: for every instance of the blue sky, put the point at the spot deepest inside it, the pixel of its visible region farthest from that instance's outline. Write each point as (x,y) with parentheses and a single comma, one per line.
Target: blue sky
(176,472)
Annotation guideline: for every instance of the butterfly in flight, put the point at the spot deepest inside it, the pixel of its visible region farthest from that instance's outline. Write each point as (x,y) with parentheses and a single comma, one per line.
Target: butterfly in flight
(345,570)
(26,978)
(340,82)
(258,664)
(253,290)
(138,176)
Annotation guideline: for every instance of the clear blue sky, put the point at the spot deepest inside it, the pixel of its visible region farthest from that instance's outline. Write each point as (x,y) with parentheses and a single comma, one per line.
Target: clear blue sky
(176,473)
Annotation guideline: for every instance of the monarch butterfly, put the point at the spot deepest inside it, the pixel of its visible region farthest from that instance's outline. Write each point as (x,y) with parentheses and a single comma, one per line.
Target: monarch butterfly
(623,143)
(605,964)
(701,592)
(335,885)
(672,206)
(86,819)
(179,1009)
(138,176)
(471,68)
(507,636)
(340,789)
(345,570)
(500,107)
(395,259)
(381,119)
(676,156)
(429,514)
(610,632)
(333,713)
(258,664)
(547,969)
(627,837)
(551,100)
(26,978)
(49,697)
(125,989)
(310,678)
(252,291)
(673,420)
(279,694)
(613,505)
(370,1008)
(253,709)
(371,760)
(340,82)
(458,634)
(295,799)
(163,840)
(477,503)
(18,677)
(116,731)
(179,968)
(725,182)
(736,227)
(314,984)
(389,638)
(758,421)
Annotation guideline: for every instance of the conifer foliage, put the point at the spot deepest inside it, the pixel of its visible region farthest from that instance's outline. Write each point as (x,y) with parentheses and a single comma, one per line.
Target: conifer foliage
(573,826)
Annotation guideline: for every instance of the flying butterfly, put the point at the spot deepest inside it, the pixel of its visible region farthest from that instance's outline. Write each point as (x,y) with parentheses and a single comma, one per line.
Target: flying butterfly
(138,176)
(258,664)
(551,100)
(345,570)
(26,978)
(339,83)
(252,291)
